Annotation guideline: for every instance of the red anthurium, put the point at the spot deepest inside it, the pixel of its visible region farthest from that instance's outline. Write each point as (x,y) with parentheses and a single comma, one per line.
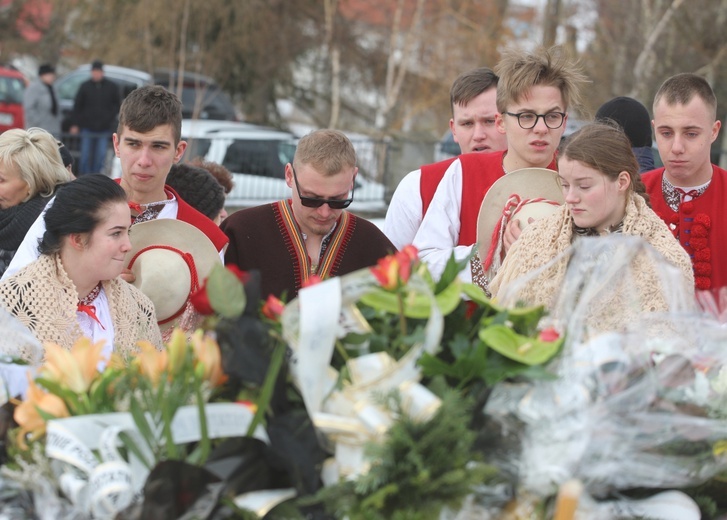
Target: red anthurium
(243,276)
(201,302)
(273,308)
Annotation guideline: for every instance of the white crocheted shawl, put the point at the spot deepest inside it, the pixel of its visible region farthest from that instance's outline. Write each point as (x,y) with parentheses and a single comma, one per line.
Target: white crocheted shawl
(44,299)
(548,238)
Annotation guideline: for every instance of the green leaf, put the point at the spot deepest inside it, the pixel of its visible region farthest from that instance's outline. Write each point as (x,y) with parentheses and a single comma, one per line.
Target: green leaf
(142,424)
(415,305)
(131,447)
(500,368)
(451,270)
(226,292)
(524,349)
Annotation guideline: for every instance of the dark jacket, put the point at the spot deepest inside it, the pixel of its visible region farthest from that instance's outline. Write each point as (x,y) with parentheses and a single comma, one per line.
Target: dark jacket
(96,105)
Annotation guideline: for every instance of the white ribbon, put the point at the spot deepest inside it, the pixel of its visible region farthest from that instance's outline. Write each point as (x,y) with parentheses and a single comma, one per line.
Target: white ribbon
(350,416)
(93,475)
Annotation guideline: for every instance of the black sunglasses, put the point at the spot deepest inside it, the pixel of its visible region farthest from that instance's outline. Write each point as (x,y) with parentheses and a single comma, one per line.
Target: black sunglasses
(312,202)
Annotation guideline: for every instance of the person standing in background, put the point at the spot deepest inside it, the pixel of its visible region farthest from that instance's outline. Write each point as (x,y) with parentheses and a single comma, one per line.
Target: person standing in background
(40,102)
(94,113)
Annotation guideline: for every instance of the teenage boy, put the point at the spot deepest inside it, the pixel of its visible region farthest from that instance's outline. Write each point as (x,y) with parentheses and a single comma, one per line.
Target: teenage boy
(474,107)
(147,141)
(689,192)
(534,93)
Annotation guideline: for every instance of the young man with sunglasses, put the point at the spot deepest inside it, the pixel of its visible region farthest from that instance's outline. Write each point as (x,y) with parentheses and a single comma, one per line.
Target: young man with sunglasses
(534,93)
(311,233)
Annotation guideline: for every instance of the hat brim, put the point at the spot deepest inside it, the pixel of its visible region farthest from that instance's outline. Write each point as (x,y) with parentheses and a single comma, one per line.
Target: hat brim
(178,235)
(528,183)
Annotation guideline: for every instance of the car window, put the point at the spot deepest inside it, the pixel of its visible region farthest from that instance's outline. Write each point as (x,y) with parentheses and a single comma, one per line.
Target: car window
(265,158)
(69,85)
(11,90)
(197,147)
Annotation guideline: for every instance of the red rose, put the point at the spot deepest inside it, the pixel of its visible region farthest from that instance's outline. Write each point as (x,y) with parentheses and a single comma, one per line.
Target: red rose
(549,334)
(273,308)
(469,310)
(312,280)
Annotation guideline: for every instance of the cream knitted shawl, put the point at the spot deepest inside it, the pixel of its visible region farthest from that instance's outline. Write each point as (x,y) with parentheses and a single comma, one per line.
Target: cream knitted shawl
(44,299)
(545,239)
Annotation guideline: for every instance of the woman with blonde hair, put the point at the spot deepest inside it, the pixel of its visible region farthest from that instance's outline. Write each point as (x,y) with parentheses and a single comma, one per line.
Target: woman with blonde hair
(30,171)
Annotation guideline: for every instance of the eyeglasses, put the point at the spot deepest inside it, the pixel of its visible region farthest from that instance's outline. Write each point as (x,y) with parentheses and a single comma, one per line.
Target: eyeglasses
(313,202)
(528,120)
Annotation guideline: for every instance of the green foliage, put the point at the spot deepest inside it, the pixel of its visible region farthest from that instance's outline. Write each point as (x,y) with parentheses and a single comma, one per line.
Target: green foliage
(418,468)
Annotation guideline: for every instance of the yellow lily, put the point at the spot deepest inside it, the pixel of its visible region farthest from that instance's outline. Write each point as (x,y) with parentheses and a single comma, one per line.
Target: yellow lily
(177,349)
(74,369)
(207,353)
(27,414)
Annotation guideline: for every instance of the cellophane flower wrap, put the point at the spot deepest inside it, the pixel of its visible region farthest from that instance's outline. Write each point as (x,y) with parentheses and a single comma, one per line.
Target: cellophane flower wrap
(634,410)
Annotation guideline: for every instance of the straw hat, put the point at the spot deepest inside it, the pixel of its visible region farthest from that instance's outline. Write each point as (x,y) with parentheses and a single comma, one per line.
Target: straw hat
(521,194)
(170,259)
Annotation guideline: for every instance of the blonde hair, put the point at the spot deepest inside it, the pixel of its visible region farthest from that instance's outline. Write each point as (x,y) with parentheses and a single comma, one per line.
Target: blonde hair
(34,153)
(519,71)
(329,152)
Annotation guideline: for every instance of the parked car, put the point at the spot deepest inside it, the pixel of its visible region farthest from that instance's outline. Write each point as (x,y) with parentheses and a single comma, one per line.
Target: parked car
(202,97)
(67,85)
(12,87)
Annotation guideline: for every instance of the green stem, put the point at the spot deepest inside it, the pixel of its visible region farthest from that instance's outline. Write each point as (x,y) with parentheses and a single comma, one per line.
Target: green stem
(342,350)
(276,361)
(204,442)
(402,317)
(170,447)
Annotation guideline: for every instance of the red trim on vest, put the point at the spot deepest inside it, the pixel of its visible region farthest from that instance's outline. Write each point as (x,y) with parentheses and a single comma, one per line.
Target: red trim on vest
(479,172)
(431,176)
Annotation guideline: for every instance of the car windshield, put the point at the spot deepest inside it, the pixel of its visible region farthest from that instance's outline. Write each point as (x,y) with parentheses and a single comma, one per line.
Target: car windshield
(11,90)
(266,158)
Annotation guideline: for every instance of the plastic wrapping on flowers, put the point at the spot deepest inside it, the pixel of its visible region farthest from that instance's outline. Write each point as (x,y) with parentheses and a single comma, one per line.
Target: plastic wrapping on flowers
(635,409)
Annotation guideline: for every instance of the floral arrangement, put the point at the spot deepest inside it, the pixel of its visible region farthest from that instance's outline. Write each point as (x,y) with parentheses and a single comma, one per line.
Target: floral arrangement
(380,394)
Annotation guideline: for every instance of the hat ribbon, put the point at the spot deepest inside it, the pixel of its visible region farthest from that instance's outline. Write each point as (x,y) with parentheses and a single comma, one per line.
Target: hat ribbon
(512,206)
(189,260)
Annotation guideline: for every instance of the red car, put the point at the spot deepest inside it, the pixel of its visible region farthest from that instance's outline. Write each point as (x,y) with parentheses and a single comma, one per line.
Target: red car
(12,86)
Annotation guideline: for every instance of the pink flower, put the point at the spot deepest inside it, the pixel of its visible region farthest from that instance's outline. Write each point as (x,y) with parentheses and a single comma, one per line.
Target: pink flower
(549,334)
(273,308)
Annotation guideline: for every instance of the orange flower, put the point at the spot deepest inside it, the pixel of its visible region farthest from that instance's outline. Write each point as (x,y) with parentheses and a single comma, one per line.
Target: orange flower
(207,352)
(273,308)
(394,270)
(28,415)
(151,362)
(74,369)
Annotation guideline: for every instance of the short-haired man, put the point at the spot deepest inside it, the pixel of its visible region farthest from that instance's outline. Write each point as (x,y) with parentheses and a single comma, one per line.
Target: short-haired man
(473,102)
(689,192)
(309,234)
(534,93)
(148,141)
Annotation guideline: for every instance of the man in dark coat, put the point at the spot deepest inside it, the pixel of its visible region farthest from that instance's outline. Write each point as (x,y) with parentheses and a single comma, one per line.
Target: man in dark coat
(94,114)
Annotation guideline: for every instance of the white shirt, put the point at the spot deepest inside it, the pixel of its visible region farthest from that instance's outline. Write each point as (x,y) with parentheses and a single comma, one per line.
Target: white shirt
(28,250)
(405,211)
(438,233)
(94,330)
